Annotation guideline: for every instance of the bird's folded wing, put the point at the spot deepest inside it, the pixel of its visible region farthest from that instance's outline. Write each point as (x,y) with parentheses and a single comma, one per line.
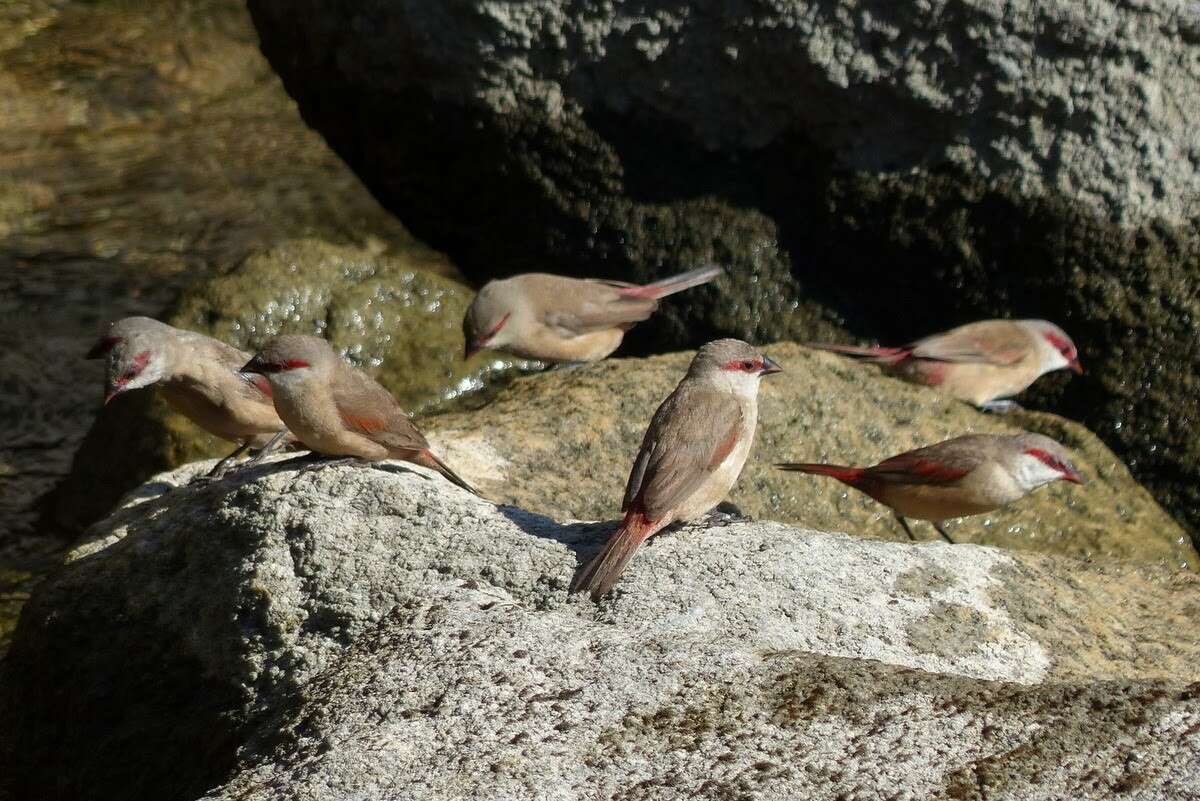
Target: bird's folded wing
(992,343)
(916,468)
(588,306)
(692,433)
(370,410)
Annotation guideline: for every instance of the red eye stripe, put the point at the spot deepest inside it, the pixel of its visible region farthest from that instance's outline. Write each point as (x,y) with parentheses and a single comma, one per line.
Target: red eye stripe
(1063,346)
(1046,458)
(496,328)
(139,364)
(743,365)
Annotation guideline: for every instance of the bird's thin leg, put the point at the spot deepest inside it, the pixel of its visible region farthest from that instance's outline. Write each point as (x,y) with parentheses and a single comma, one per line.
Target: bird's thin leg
(942,531)
(266,450)
(1000,406)
(907,530)
(221,467)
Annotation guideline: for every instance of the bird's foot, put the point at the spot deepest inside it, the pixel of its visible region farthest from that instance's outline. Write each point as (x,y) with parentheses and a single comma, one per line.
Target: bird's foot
(321,462)
(1000,406)
(726,514)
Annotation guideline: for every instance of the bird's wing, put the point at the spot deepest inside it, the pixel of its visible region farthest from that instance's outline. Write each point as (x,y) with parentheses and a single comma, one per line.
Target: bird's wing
(582,307)
(370,410)
(691,434)
(943,463)
(990,342)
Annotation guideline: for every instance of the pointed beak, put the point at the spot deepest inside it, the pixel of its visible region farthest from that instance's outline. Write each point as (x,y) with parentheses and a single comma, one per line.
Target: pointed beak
(97,351)
(471,348)
(255,365)
(770,366)
(1075,367)
(1073,476)
(112,392)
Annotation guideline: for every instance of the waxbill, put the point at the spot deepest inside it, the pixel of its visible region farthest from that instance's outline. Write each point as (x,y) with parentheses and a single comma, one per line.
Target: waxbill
(198,377)
(553,318)
(982,363)
(959,477)
(691,455)
(338,411)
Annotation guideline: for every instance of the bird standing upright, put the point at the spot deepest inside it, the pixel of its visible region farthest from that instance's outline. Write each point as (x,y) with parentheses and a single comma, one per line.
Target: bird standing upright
(982,363)
(553,318)
(198,376)
(963,476)
(337,410)
(691,454)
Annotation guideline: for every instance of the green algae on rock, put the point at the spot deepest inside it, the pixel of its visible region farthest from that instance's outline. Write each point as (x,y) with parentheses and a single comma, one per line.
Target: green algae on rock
(563,443)
(396,317)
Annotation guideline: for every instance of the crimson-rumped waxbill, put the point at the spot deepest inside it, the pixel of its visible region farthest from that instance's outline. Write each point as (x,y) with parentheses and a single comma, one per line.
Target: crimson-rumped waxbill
(691,454)
(553,318)
(982,363)
(337,410)
(963,476)
(197,375)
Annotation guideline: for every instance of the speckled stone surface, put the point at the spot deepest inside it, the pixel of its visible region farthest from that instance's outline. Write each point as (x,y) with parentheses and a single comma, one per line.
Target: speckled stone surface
(373,632)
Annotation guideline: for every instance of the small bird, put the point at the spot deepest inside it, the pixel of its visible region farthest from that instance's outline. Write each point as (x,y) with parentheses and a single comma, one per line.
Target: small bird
(552,318)
(959,477)
(198,376)
(691,455)
(338,411)
(982,363)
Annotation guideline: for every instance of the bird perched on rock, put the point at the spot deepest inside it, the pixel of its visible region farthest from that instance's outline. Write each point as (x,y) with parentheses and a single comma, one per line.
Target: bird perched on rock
(338,411)
(197,375)
(691,454)
(553,318)
(959,477)
(981,363)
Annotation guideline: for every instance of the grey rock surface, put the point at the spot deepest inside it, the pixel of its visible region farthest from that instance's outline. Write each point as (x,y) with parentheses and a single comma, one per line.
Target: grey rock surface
(365,633)
(865,169)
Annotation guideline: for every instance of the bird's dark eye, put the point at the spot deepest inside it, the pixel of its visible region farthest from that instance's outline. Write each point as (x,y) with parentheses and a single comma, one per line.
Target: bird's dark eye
(748,366)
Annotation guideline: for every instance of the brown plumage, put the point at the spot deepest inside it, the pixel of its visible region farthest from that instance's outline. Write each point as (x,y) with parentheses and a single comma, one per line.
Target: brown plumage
(553,318)
(337,410)
(197,375)
(980,363)
(963,476)
(691,454)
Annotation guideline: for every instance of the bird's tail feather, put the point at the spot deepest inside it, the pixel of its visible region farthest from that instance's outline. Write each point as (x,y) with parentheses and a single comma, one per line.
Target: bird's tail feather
(427,458)
(600,574)
(847,475)
(875,354)
(675,283)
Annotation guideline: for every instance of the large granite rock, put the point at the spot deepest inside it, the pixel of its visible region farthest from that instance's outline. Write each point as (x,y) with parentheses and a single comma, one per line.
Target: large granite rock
(563,443)
(372,633)
(864,168)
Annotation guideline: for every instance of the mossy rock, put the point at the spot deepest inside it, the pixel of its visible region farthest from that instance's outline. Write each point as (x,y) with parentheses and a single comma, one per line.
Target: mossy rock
(397,318)
(563,443)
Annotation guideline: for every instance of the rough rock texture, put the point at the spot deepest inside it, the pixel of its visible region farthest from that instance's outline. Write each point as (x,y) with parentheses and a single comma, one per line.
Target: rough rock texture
(563,443)
(863,167)
(393,316)
(376,633)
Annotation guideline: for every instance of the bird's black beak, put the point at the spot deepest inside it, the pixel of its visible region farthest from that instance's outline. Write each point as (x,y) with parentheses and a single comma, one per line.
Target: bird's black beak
(471,348)
(1075,367)
(770,366)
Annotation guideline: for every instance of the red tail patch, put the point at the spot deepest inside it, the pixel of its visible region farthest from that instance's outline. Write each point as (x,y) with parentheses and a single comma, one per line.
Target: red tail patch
(847,475)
